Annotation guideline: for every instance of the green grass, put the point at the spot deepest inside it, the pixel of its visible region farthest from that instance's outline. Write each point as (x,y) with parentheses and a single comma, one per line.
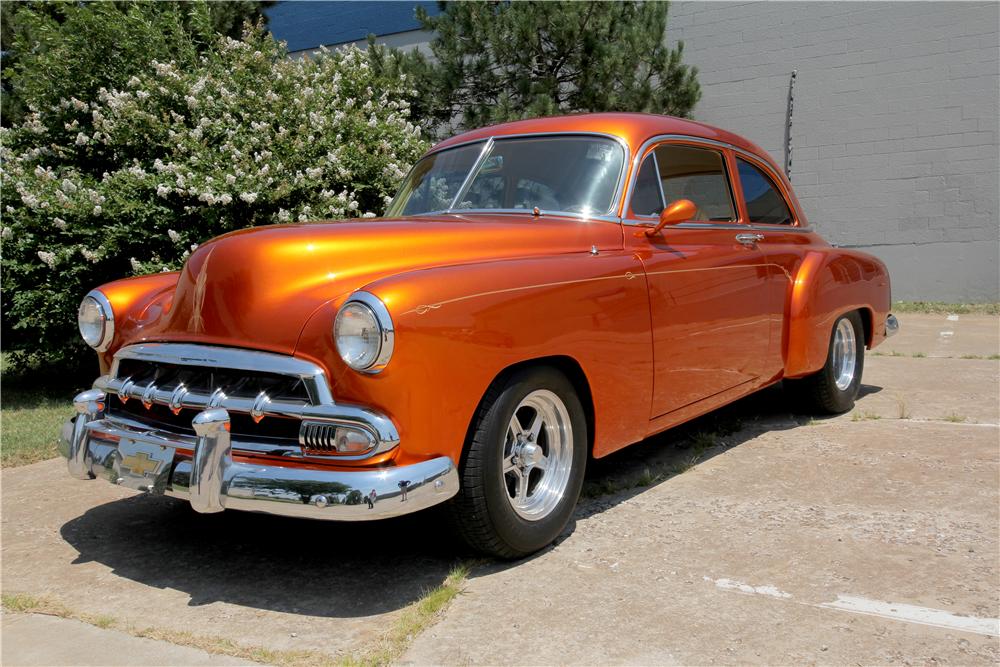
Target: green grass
(30,421)
(954,418)
(386,650)
(942,308)
(413,621)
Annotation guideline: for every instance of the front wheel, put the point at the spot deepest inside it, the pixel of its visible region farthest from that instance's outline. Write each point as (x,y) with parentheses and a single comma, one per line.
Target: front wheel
(523,466)
(833,389)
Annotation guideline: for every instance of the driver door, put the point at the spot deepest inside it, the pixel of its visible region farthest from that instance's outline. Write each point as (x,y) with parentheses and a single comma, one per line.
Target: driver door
(707,278)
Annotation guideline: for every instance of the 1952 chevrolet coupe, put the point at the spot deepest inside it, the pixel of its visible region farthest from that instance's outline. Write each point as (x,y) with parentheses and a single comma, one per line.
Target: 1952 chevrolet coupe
(539,292)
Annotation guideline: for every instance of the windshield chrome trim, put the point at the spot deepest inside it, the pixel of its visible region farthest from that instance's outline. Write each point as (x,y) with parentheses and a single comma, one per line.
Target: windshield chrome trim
(460,212)
(612,214)
(627,203)
(473,171)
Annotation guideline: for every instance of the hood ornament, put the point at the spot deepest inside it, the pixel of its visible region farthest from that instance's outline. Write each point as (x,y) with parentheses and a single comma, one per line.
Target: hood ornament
(196,323)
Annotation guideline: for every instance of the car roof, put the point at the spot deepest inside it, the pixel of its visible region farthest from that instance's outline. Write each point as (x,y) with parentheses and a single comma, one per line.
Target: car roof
(633,128)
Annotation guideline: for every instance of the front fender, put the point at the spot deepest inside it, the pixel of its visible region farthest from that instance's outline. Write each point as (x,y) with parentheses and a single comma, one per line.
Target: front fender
(458,327)
(136,302)
(829,283)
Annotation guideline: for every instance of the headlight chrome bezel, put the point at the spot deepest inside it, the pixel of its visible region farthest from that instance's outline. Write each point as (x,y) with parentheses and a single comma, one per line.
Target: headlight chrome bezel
(386,331)
(108,318)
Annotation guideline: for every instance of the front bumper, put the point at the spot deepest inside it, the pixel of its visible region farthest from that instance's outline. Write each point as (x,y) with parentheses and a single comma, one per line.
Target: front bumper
(202,470)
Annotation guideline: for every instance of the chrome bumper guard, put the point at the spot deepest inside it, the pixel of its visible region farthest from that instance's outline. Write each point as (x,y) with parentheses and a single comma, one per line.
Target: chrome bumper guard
(147,460)
(891,326)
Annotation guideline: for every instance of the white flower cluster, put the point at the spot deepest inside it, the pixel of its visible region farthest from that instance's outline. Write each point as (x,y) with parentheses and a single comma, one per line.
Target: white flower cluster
(249,137)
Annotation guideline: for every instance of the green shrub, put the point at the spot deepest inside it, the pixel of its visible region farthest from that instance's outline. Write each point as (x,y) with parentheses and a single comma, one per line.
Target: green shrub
(128,182)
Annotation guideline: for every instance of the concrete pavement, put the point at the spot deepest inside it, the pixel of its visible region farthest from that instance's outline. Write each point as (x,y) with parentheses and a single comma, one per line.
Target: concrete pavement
(34,639)
(869,537)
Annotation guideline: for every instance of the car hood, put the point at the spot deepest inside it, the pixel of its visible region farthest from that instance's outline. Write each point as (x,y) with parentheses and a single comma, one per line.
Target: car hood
(258,287)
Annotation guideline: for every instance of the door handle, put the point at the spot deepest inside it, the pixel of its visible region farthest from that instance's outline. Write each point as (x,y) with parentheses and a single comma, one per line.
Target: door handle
(749,239)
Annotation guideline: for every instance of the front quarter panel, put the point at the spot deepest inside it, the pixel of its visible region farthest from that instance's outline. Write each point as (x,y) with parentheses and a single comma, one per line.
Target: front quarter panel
(136,302)
(458,327)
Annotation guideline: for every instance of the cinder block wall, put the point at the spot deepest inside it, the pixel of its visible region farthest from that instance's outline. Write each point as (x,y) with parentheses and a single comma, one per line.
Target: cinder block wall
(895,125)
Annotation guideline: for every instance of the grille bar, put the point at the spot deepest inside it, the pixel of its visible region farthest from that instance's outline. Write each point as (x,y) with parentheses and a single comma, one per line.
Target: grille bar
(177,396)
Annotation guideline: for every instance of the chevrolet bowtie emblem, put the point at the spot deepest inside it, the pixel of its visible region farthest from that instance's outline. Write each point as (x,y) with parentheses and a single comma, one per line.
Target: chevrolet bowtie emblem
(140,464)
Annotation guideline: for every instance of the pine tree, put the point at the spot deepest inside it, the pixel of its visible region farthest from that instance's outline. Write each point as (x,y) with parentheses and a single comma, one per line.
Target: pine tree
(500,61)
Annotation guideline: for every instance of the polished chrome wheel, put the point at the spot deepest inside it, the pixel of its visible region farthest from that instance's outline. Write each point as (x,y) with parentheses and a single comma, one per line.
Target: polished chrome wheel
(537,454)
(844,354)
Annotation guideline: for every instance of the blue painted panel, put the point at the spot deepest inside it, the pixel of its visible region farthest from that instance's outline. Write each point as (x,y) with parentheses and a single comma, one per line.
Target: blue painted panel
(306,24)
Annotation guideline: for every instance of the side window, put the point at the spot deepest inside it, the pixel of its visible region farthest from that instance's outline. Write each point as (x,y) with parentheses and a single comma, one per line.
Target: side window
(646,199)
(764,202)
(698,174)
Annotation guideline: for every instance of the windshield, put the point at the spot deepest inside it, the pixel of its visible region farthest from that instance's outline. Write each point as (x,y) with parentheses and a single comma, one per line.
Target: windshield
(568,174)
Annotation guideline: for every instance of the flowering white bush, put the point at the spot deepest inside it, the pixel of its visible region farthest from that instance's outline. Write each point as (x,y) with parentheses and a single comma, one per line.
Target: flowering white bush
(137,177)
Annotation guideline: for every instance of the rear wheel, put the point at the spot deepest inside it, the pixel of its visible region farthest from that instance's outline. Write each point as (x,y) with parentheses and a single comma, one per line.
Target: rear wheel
(523,466)
(834,388)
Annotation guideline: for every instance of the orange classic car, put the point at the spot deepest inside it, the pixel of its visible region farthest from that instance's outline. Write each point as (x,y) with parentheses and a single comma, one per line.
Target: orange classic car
(539,292)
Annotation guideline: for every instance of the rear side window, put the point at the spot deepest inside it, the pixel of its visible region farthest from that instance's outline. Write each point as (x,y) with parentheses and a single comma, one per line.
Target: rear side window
(697,174)
(764,202)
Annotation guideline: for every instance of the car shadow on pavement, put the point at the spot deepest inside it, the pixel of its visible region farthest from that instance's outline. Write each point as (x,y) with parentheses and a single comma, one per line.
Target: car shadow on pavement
(289,565)
(628,472)
(362,569)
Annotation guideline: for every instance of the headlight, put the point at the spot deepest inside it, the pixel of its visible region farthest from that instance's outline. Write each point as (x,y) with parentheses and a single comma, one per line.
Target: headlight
(96,321)
(363,333)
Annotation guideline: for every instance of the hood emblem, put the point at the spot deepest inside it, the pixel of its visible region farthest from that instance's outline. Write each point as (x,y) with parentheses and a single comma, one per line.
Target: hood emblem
(196,323)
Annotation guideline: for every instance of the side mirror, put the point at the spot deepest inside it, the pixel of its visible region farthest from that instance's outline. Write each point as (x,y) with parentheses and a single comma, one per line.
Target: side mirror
(678,211)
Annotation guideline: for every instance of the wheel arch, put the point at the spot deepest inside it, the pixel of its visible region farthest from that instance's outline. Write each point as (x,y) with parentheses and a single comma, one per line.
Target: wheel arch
(829,284)
(566,365)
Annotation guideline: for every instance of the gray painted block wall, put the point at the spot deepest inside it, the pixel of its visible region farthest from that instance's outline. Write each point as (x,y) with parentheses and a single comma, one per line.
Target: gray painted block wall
(895,125)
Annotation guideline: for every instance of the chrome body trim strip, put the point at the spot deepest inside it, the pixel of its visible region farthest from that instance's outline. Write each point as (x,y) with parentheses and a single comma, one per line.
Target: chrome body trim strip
(212,480)
(651,222)
(891,325)
(321,407)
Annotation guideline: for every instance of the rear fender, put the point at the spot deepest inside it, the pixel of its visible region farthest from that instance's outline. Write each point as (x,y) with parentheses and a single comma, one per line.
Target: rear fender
(828,284)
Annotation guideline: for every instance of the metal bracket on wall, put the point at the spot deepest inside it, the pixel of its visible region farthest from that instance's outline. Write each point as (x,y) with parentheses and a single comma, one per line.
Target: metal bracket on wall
(788,125)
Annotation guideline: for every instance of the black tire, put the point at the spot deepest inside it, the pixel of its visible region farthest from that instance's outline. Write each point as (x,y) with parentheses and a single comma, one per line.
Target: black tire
(482,512)
(819,393)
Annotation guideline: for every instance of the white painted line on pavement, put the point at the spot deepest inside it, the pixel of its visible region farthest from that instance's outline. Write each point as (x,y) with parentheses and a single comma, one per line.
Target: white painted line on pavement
(909,613)
(739,586)
(953,318)
(945,423)
(889,420)
(854,604)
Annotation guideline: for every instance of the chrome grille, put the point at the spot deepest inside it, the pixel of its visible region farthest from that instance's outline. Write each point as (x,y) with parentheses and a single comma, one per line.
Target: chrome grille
(174,378)
(270,397)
